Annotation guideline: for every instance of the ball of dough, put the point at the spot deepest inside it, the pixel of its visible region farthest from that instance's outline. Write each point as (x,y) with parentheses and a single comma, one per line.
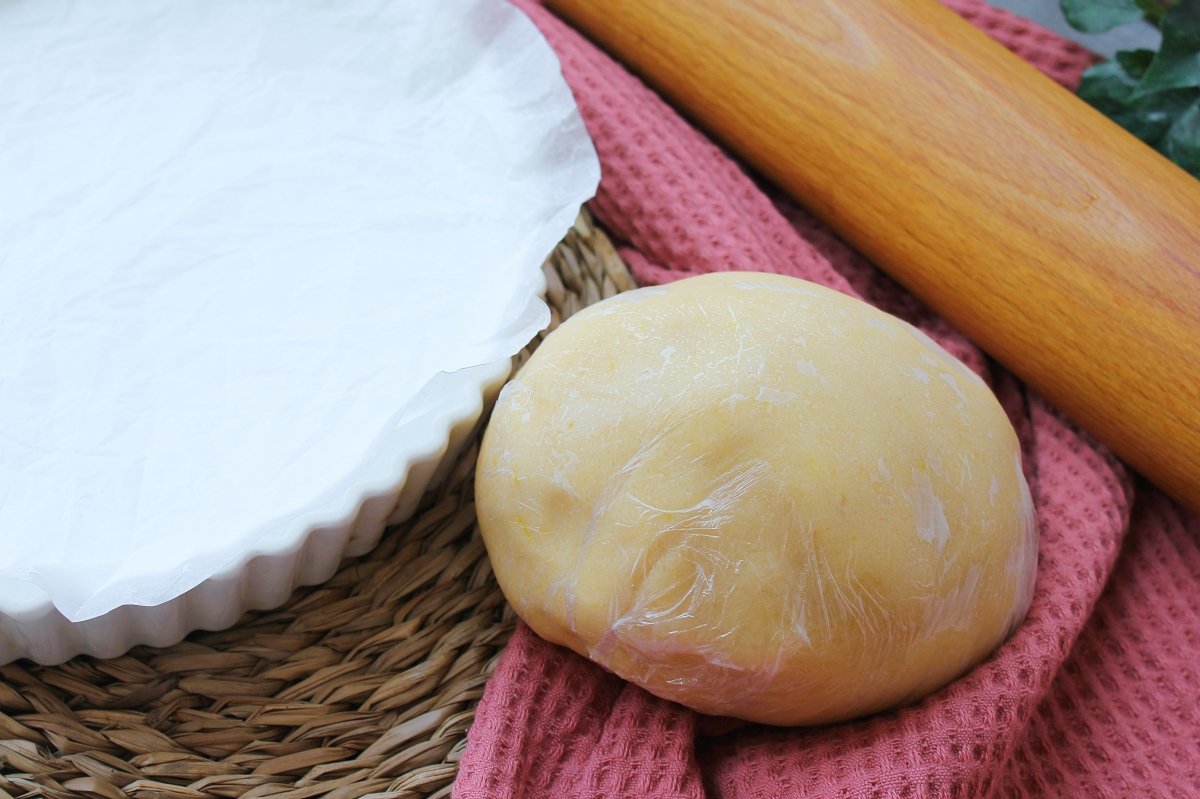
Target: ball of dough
(760,498)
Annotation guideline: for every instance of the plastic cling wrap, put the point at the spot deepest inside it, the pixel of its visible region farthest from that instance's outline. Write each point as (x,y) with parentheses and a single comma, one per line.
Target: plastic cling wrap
(760,498)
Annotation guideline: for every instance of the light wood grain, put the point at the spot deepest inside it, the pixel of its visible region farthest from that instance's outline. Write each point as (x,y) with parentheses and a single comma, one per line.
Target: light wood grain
(1066,248)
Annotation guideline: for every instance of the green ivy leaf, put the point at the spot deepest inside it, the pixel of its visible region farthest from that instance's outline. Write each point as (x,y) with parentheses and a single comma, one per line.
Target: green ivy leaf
(1153,10)
(1153,95)
(1097,16)
(1111,90)
(1182,143)
(1107,87)
(1135,62)
(1177,65)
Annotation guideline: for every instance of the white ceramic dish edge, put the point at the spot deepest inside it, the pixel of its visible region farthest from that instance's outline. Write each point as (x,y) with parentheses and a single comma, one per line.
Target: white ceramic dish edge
(267,574)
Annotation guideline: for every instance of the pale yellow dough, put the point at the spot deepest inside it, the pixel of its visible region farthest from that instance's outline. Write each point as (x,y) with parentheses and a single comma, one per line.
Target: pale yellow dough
(760,498)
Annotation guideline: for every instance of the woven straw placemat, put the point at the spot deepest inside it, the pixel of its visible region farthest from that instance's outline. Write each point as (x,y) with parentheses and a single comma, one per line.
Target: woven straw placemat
(362,686)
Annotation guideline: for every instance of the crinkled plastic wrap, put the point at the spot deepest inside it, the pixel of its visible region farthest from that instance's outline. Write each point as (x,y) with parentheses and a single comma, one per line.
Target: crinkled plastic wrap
(237,238)
(760,498)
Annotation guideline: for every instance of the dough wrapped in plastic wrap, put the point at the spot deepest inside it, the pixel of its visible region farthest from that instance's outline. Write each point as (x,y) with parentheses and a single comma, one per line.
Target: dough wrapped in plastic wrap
(759,498)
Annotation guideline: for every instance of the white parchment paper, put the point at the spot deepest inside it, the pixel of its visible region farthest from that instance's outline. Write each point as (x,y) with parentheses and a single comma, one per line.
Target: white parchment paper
(236,237)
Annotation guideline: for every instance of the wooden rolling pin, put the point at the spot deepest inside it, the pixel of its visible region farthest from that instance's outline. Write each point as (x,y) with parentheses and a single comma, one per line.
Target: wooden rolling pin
(1061,244)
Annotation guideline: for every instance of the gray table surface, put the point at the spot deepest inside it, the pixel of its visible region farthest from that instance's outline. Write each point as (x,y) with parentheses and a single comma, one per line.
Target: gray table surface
(1048,14)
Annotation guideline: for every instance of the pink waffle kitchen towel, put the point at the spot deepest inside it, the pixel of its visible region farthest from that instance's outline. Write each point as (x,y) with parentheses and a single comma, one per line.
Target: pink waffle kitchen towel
(1097,694)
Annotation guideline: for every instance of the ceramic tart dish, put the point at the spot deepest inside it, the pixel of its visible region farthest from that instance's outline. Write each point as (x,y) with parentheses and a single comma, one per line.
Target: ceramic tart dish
(261,263)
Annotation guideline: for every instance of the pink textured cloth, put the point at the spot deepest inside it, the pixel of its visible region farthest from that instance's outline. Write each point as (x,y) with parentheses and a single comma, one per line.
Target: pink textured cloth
(1096,695)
